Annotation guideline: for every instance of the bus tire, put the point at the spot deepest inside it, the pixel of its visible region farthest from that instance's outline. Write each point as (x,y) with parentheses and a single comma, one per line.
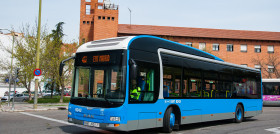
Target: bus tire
(168,120)
(239,114)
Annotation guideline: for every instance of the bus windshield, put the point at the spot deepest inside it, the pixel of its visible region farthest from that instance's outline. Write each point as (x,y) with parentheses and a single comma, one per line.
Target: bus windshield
(98,81)
(271,88)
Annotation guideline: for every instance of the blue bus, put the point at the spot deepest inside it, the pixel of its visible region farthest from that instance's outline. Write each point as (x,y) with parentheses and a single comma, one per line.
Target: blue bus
(139,82)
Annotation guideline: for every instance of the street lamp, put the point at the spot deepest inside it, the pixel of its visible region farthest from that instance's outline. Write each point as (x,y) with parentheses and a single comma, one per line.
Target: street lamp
(11,71)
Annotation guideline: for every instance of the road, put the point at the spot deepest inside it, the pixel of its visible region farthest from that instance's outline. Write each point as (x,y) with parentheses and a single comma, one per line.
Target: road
(55,122)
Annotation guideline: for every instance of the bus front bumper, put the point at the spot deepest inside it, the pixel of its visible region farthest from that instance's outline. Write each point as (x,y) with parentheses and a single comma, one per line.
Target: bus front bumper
(106,126)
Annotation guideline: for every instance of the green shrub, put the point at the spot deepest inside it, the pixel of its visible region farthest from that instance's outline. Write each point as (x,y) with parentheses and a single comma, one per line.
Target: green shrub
(48,99)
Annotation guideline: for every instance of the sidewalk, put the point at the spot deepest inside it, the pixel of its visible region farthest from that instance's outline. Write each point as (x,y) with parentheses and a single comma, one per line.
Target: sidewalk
(27,107)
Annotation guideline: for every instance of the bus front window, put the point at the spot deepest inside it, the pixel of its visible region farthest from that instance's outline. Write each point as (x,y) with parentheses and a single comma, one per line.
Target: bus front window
(101,83)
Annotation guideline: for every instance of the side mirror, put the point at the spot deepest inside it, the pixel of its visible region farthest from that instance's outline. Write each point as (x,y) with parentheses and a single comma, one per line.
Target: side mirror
(62,64)
(61,68)
(133,69)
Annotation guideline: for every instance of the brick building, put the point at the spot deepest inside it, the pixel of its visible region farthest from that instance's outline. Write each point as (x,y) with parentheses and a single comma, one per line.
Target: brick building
(256,49)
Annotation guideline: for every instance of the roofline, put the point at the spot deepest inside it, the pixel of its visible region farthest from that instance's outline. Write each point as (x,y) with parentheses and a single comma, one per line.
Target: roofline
(232,30)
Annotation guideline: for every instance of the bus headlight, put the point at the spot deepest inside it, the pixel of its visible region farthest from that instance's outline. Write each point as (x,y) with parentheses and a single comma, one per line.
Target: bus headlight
(115,118)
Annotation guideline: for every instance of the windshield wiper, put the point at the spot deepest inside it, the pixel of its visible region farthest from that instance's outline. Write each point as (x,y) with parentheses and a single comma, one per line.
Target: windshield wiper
(105,98)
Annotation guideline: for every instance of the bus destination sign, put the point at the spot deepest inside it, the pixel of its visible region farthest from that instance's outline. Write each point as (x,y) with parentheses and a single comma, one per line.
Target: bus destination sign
(98,58)
(101,58)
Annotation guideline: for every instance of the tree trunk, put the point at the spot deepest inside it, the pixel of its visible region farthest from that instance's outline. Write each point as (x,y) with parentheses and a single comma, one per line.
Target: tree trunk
(62,90)
(52,86)
(29,91)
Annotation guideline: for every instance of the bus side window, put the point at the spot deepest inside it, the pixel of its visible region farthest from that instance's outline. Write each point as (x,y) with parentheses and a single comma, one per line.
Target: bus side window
(172,81)
(192,83)
(142,88)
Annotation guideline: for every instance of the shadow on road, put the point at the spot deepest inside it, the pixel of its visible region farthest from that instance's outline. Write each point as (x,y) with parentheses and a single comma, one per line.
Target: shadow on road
(79,130)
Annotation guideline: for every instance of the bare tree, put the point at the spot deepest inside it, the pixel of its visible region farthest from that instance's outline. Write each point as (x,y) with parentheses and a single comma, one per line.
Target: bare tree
(271,60)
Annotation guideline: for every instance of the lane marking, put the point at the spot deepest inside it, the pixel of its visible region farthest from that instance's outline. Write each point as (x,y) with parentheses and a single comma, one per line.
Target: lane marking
(276,130)
(67,123)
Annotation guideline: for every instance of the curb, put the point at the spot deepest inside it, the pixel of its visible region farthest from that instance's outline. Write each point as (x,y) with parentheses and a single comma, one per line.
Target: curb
(35,110)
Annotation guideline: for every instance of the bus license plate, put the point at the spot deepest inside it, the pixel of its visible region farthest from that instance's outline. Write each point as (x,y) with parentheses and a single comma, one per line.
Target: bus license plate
(95,124)
(91,124)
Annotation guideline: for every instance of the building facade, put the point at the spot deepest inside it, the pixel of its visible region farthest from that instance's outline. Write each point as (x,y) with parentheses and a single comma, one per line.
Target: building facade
(256,49)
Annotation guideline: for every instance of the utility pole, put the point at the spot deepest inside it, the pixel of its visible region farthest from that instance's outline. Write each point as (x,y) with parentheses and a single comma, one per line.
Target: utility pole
(10,80)
(37,55)
(11,71)
(15,81)
(130,16)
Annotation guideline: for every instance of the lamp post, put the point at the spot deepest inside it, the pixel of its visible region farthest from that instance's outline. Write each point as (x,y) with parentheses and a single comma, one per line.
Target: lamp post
(11,71)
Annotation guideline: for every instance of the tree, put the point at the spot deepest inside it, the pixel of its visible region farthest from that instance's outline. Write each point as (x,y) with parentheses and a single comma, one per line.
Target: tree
(66,78)
(272,60)
(52,57)
(25,53)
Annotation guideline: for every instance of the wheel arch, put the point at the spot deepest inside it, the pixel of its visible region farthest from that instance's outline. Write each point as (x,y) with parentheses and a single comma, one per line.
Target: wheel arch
(177,112)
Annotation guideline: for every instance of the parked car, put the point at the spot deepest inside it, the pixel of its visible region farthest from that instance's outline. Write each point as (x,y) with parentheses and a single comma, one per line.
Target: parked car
(6,97)
(67,93)
(48,93)
(18,98)
(21,97)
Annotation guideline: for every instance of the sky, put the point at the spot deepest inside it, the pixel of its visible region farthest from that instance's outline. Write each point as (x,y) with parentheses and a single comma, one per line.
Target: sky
(256,15)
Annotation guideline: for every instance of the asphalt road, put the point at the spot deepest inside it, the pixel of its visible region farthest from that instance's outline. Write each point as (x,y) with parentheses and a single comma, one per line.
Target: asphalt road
(55,122)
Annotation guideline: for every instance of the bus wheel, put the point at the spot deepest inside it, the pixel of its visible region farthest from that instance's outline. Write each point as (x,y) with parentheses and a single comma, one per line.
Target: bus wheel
(239,113)
(168,120)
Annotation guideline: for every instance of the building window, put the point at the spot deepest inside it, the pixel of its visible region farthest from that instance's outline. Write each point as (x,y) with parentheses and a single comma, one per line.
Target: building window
(244,65)
(189,44)
(87,9)
(84,22)
(88,0)
(258,67)
(100,7)
(257,48)
(270,49)
(108,18)
(216,47)
(270,69)
(91,22)
(100,1)
(87,22)
(243,48)
(202,46)
(99,17)
(230,47)
(113,18)
(103,17)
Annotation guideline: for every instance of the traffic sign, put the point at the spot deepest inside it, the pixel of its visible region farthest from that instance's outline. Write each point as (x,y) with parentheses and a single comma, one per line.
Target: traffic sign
(37,72)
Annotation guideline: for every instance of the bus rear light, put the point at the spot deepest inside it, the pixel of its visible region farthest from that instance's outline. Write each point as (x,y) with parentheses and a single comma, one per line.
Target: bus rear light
(159,119)
(184,117)
(116,125)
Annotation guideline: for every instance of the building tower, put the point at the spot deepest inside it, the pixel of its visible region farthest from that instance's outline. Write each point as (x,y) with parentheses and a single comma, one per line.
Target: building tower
(98,20)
